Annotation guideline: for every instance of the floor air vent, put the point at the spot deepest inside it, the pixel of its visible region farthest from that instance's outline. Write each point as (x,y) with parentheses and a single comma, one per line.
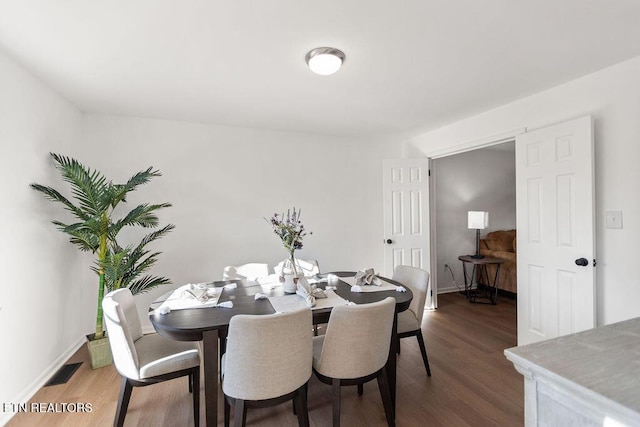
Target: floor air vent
(64,374)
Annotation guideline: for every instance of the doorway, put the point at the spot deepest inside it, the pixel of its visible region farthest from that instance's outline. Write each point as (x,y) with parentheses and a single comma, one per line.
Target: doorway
(476,180)
(555,216)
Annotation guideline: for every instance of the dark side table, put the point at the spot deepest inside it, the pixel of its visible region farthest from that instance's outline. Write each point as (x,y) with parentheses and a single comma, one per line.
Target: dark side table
(487,290)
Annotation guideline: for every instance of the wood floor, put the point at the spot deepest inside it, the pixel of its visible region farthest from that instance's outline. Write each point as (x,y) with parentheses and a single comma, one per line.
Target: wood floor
(472,383)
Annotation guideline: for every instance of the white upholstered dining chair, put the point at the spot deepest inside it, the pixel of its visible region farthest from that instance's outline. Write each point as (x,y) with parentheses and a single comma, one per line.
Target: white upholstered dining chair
(355,349)
(267,362)
(146,359)
(249,271)
(410,321)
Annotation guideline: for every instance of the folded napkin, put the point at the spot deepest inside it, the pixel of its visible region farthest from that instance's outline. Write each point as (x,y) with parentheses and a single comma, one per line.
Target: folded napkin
(367,277)
(196,291)
(191,295)
(309,292)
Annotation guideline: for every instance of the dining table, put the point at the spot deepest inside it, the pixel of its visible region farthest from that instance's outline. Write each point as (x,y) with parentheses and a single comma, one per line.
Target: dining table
(210,324)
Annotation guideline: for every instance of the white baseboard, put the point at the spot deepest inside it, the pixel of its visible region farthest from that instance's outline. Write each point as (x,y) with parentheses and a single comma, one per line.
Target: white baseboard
(42,379)
(448,290)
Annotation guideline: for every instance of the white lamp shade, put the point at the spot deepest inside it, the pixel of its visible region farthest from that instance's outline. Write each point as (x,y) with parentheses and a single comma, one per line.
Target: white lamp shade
(478,220)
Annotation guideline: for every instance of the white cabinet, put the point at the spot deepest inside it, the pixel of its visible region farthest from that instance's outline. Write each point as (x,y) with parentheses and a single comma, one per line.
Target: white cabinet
(591,378)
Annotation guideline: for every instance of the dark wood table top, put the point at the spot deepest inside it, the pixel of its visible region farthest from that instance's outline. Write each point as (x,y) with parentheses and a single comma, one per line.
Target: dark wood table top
(188,325)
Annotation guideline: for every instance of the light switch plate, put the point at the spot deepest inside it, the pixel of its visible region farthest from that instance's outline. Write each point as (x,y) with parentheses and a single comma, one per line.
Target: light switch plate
(614,219)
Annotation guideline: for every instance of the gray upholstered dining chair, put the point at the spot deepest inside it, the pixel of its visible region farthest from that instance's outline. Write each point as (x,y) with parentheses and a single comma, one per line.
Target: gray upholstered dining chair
(250,271)
(355,349)
(146,359)
(267,362)
(410,321)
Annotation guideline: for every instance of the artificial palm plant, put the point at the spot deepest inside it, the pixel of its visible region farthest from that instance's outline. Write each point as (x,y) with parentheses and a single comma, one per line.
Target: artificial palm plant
(124,267)
(96,230)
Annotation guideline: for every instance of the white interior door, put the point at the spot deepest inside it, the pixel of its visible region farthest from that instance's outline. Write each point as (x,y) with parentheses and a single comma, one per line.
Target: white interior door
(406,214)
(555,222)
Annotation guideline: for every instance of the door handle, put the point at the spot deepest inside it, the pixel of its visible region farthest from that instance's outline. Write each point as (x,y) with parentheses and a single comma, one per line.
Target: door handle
(582,262)
(388,241)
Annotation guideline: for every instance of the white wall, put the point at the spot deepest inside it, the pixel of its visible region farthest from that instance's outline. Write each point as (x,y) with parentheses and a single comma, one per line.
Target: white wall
(44,283)
(479,180)
(612,97)
(224,181)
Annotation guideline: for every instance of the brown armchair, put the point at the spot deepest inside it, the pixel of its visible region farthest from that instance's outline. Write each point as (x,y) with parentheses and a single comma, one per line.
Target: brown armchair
(502,244)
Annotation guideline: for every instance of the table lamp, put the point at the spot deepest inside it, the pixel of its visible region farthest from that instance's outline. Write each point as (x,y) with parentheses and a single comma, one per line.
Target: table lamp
(478,220)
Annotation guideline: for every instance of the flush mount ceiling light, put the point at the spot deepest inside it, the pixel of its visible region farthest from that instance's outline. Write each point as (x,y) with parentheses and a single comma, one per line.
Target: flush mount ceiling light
(324,60)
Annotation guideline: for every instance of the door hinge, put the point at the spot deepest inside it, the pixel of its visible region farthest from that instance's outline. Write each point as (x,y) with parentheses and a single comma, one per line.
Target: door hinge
(594,262)
(429,172)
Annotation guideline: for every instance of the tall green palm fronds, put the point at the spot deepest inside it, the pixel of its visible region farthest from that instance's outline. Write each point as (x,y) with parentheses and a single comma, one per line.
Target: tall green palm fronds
(94,200)
(125,267)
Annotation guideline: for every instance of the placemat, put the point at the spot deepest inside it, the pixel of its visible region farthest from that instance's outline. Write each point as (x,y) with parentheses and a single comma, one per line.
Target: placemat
(385,286)
(178,301)
(286,303)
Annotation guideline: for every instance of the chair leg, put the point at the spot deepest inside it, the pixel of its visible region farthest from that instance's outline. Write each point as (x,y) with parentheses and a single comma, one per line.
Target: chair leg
(194,381)
(303,396)
(123,402)
(299,400)
(423,350)
(227,411)
(398,352)
(190,378)
(240,414)
(383,385)
(360,389)
(336,402)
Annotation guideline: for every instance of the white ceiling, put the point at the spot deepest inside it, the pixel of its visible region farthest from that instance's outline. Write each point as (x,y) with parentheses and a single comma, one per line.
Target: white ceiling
(411,65)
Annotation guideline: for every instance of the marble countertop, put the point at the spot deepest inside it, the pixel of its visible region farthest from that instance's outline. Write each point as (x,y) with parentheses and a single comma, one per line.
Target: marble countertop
(604,361)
